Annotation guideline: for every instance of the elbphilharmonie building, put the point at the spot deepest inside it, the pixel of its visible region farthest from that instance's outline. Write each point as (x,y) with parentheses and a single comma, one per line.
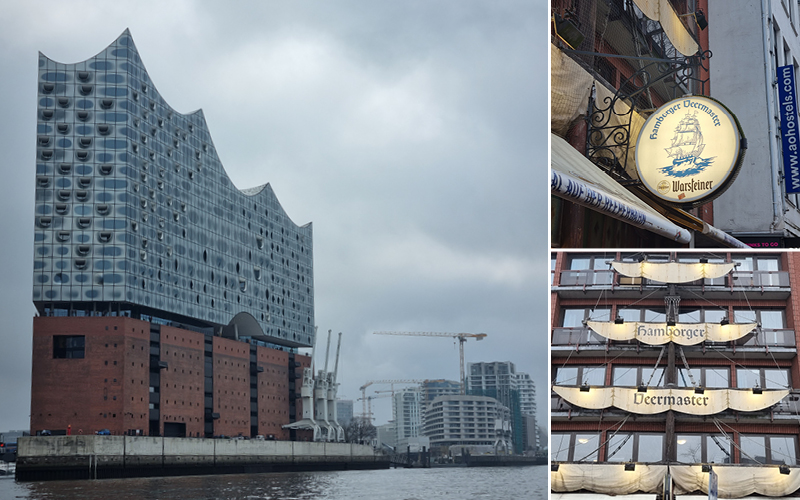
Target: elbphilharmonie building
(135,214)
(169,302)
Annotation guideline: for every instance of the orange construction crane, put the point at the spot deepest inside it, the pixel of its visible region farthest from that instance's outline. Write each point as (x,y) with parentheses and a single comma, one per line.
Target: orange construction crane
(462,337)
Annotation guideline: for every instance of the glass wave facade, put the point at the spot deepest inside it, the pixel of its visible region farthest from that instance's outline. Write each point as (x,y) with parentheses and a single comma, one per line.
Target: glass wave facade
(135,214)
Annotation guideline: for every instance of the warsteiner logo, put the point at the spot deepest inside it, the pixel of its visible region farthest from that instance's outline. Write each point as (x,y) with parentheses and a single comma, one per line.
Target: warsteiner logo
(663,187)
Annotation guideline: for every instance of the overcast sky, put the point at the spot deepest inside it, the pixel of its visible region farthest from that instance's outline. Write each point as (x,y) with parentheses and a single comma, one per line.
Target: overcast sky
(412,134)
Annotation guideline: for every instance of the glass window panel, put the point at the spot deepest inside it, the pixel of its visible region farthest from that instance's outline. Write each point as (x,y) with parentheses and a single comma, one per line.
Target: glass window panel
(772,319)
(653,377)
(560,447)
(603,314)
(689,448)
(586,447)
(594,375)
(573,318)
(713,315)
(776,378)
(567,376)
(768,264)
(753,449)
(630,314)
(744,316)
(579,263)
(650,448)
(717,377)
(718,450)
(623,454)
(745,264)
(746,379)
(655,316)
(783,450)
(625,376)
(689,316)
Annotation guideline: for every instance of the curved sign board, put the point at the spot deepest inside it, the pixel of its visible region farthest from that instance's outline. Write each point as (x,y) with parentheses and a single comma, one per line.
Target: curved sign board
(673,272)
(652,401)
(689,151)
(681,333)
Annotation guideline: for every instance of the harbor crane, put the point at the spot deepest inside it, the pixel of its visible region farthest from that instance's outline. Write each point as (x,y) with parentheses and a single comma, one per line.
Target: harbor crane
(363,390)
(462,337)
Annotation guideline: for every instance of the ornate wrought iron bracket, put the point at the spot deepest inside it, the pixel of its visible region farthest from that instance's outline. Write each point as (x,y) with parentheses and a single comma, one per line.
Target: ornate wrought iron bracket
(608,137)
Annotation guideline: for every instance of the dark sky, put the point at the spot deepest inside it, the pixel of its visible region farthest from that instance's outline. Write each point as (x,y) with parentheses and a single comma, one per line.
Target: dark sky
(412,134)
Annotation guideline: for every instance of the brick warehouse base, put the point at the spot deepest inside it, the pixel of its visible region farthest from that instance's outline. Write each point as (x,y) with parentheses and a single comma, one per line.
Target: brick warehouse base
(138,378)
(100,457)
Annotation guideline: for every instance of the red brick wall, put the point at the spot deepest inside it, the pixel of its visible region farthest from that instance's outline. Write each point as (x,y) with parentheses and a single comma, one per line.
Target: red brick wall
(273,392)
(231,387)
(182,380)
(100,391)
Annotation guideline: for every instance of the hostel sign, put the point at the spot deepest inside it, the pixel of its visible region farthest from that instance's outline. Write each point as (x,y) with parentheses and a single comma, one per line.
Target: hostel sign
(787,101)
(689,151)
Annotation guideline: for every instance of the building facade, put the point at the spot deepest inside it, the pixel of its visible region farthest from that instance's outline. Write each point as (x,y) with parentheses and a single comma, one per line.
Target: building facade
(760,208)
(169,301)
(594,298)
(467,421)
(614,62)
(407,411)
(513,389)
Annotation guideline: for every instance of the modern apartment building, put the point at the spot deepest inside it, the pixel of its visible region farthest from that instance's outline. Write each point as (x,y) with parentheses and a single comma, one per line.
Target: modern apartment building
(169,301)
(407,411)
(680,359)
(513,389)
(468,421)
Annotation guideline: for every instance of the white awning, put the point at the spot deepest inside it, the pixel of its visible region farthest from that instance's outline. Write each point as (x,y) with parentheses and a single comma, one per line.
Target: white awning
(575,178)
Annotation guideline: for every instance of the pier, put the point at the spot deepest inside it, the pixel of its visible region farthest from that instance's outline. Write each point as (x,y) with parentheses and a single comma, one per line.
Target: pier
(99,457)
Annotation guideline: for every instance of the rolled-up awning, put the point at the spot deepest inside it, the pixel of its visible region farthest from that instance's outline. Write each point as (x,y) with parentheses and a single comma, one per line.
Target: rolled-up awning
(576,179)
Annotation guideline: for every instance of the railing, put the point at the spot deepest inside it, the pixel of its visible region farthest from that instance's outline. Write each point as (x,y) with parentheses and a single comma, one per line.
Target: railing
(738,279)
(582,336)
(586,278)
(761,279)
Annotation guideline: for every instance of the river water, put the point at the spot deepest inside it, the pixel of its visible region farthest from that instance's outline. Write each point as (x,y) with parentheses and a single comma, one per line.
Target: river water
(490,483)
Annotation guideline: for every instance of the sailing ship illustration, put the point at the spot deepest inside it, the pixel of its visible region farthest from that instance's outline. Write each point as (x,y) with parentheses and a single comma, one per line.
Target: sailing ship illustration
(687,145)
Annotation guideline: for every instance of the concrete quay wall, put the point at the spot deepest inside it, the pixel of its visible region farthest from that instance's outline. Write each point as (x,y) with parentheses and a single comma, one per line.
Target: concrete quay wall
(89,457)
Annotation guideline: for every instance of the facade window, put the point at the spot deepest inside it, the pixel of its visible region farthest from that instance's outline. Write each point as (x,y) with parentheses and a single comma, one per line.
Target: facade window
(765,378)
(645,448)
(634,376)
(68,346)
(574,318)
(581,375)
(703,448)
(705,376)
(768,449)
(574,447)
(714,315)
(643,315)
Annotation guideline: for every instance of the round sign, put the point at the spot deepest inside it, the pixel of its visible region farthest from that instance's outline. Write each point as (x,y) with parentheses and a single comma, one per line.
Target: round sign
(689,151)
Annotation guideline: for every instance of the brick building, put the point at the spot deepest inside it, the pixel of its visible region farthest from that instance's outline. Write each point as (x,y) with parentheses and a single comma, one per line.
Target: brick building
(169,301)
(591,298)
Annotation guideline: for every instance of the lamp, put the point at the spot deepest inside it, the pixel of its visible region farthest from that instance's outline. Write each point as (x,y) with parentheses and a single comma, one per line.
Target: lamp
(757,390)
(671,322)
(585,388)
(784,469)
(699,390)
(567,30)
(725,321)
(619,320)
(554,467)
(630,466)
(704,261)
(706,468)
(641,388)
(699,18)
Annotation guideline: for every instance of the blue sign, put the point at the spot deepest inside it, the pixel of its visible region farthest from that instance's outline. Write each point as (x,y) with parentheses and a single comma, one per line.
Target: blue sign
(787,101)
